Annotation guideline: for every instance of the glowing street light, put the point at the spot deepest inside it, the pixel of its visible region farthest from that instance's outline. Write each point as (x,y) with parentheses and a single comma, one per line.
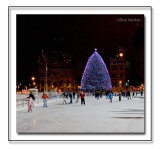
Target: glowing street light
(33,78)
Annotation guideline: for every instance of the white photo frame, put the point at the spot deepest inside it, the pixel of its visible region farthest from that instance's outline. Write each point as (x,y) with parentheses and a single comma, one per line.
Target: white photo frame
(13,11)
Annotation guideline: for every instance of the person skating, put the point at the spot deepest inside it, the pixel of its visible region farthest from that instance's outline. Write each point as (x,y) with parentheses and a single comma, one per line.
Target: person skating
(100,94)
(78,96)
(30,104)
(32,96)
(44,97)
(82,98)
(110,96)
(128,95)
(70,96)
(119,96)
(97,94)
(74,95)
(133,94)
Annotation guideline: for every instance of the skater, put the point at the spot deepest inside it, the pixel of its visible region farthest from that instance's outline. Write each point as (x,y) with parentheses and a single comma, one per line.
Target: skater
(78,96)
(30,104)
(107,95)
(73,95)
(110,97)
(82,98)
(64,95)
(100,94)
(70,96)
(44,97)
(119,96)
(67,95)
(133,94)
(32,96)
(97,95)
(128,94)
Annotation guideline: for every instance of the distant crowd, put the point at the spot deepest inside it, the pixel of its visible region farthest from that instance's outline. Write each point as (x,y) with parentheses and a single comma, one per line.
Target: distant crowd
(81,95)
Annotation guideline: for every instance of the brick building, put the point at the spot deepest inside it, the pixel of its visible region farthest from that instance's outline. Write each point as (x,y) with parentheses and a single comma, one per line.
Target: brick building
(117,70)
(59,73)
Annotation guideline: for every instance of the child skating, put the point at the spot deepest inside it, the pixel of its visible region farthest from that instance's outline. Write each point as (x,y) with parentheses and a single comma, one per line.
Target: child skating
(30,104)
(44,97)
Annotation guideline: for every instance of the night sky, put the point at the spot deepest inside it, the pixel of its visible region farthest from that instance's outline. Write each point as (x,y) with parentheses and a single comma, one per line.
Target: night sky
(77,34)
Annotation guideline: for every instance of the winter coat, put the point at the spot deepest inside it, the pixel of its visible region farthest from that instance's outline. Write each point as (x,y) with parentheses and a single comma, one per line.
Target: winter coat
(30,102)
(82,95)
(70,95)
(119,94)
(31,95)
(110,95)
(45,96)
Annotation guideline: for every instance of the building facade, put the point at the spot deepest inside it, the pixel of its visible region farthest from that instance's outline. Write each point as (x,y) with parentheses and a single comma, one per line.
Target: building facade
(117,70)
(55,71)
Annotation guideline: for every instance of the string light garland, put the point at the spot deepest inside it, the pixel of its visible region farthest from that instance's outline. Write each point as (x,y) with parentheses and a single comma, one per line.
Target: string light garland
(95,75)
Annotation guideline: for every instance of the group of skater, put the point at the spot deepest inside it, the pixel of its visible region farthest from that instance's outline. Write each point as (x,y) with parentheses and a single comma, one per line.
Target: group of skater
(45,97)
(32,99)
(71,96)
(80,94)
(110,94)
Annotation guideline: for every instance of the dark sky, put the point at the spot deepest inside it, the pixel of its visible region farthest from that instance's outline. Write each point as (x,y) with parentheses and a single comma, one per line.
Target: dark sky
(78,34)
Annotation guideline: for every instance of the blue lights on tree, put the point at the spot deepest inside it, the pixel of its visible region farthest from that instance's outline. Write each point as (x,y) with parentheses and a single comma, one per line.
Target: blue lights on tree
(95,75)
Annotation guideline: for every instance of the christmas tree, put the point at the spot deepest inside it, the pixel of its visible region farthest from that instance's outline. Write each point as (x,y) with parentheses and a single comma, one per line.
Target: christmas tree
(95,75)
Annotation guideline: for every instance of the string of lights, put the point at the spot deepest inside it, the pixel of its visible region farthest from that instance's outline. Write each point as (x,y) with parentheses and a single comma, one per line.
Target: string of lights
(95,75)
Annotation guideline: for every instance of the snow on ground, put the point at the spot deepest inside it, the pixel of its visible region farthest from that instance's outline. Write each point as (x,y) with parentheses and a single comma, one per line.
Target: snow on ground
(97,116)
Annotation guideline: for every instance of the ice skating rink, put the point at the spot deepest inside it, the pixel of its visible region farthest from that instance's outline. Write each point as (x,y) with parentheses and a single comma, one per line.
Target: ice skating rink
(97,116)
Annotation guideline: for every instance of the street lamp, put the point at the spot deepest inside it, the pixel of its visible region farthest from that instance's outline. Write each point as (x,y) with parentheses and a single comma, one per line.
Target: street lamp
(33,78)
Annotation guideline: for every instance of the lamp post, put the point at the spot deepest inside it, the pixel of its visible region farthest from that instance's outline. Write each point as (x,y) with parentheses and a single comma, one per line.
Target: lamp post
(45,59)
(46,76)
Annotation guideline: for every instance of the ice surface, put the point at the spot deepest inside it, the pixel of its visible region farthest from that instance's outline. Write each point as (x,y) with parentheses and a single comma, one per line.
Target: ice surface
(97,116)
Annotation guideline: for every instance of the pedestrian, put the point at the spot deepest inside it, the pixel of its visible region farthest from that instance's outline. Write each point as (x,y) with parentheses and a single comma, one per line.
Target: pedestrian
(32,96)
(30,104)
(119,96)
(110,97)
(82,98)
(45,97)
(141,93)
(70,96)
